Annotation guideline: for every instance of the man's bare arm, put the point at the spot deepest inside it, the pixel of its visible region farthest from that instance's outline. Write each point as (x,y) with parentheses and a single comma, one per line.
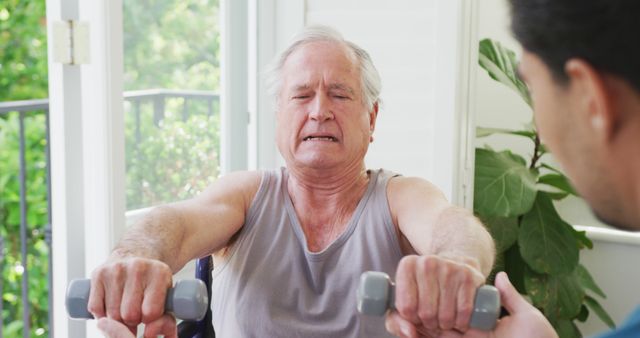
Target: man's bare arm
(178,232)
(436,288)
(434,226)
(131,286)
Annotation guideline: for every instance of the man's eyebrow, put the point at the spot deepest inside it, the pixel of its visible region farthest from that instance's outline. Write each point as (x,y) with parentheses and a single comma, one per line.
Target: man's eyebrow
(300,87)
(340,86)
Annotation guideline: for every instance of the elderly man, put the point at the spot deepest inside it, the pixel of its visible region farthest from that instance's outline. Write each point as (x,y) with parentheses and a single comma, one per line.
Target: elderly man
(290,244)
(581,60)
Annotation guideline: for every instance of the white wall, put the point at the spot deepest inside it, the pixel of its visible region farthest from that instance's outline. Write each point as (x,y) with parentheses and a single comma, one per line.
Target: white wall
(497,106)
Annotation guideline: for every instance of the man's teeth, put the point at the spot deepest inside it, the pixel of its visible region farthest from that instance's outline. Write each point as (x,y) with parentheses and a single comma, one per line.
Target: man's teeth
(324,138)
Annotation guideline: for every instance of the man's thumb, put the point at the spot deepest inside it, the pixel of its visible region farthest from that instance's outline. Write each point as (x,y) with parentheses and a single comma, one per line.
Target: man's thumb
(113,329)
(511,299)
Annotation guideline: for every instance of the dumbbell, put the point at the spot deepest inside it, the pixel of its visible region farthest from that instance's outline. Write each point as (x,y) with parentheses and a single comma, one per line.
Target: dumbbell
(187,300)
(376,295)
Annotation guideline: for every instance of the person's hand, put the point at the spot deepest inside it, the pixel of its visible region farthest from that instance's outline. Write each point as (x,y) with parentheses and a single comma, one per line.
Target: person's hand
(113,329)
(130,290)
(165,325)
(433,295)
(523,321)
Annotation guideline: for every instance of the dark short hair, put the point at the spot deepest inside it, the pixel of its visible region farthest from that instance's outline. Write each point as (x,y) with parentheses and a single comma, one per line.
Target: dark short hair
(604,33)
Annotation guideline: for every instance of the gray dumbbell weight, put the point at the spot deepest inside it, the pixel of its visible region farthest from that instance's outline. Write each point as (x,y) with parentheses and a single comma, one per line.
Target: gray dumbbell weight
(187,300)
(376,294)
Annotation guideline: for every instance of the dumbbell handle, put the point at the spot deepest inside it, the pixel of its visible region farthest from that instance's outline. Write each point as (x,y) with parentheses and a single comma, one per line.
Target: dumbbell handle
(376,294)
(187,300)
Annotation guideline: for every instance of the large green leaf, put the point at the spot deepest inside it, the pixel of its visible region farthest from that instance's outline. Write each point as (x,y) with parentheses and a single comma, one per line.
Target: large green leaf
(501,64)
(559,296)
(547,243)
(584,314)
(514,266)
(503,230)
(597,308)
(504,186)
(567,329)
(557,196)
(558,181)
(587,282)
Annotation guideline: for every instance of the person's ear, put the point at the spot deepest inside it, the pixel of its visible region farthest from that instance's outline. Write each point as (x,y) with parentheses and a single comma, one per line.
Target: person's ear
(592,99)
(373,115)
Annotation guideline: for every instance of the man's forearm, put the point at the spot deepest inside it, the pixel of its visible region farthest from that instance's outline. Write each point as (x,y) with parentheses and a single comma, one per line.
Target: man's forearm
(462,236)
(158,235)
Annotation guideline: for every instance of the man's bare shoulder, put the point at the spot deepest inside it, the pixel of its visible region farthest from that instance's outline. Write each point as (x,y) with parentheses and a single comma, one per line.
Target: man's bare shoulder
(409,196)
(401,187)
(238,186)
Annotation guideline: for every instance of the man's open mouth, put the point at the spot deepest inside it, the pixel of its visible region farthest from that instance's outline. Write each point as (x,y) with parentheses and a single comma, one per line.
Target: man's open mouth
(321,138)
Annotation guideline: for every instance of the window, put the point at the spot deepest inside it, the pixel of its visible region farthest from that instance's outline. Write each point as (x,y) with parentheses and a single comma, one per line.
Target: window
(172,102)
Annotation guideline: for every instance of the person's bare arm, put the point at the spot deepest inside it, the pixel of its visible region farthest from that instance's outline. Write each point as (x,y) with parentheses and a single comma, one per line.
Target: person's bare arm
(131,286)
(179,232)
(455,253)
(434,226)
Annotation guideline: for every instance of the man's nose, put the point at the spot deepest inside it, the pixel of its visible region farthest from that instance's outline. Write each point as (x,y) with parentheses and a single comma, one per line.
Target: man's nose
(320,109)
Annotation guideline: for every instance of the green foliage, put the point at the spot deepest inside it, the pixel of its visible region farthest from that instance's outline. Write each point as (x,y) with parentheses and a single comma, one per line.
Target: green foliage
(514,197)
(504,186)
(174,161)
(168,44)
(171,44)
(23,50)
(23,75)
(37,218)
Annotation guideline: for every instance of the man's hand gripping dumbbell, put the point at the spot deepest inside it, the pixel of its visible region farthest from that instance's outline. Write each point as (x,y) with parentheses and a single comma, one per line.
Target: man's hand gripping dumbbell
(376,295)
(187,300)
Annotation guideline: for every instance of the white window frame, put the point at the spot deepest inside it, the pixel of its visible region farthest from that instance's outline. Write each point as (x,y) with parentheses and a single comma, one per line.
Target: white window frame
(87,141)
(457,30)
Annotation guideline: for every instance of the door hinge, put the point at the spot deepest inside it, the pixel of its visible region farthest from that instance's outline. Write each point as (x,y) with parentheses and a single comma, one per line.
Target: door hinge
(71,42)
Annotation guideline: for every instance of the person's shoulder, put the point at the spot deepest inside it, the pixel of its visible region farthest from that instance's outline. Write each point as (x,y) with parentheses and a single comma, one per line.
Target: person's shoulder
(237,183)
(406,193)
(411,184)
(250,177)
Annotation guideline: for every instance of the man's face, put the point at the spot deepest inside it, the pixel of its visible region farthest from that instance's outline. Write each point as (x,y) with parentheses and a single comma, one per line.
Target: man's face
(565,127)
(322,120)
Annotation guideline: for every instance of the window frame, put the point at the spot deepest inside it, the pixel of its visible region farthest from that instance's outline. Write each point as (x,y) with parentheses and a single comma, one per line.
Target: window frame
(87,140)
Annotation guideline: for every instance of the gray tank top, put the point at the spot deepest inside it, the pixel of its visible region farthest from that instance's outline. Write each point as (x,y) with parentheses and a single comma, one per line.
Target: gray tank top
(271,285)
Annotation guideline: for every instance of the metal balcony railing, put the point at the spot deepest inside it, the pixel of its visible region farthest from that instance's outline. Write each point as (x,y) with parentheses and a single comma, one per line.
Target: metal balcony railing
(157,97)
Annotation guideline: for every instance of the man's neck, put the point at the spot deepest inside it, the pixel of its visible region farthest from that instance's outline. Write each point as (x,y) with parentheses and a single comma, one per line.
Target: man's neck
(324,204)
(324,188)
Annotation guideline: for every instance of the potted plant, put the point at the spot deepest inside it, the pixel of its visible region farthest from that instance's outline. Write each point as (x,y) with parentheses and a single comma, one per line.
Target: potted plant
(514,198)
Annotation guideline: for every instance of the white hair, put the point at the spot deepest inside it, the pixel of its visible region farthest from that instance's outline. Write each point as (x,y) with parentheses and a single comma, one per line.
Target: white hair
(369,77)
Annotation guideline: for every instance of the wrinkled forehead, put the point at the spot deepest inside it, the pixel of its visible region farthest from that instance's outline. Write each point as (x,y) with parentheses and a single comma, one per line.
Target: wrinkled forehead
(321,59)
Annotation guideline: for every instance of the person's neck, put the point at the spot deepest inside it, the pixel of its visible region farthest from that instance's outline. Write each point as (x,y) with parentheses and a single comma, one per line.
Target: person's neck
(325,202)
(324,188)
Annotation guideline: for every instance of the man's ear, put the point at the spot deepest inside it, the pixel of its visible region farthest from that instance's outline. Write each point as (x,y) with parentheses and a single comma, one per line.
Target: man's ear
(373,116)
(592,98)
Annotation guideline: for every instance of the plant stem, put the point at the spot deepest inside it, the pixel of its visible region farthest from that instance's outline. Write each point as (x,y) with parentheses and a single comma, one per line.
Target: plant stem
(536,152)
